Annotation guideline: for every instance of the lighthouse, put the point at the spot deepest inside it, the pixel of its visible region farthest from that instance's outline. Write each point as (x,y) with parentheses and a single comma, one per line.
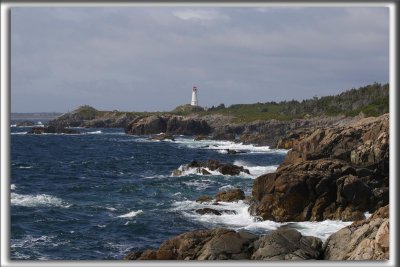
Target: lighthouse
(194,96)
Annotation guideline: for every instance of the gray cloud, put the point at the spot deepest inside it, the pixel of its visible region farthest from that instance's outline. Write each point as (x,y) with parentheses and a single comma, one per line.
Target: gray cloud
(148,58)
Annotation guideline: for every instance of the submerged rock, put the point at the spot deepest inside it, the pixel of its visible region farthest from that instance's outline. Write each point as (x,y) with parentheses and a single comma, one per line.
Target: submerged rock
(163,136)
(205,211)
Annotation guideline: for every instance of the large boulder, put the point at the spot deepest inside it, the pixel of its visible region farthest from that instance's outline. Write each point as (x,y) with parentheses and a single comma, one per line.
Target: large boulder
(287,244)
(363,240)
(315,190)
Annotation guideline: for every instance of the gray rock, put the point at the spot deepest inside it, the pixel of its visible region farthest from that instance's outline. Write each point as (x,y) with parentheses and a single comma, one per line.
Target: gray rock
(287,244)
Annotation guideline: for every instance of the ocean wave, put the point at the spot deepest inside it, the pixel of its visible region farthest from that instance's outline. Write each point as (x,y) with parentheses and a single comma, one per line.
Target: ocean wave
(131,214)
(242,220)
(224,146)
(41,200)
(19,133)
(94,132)
(13,186)
(200,185)
(255,171)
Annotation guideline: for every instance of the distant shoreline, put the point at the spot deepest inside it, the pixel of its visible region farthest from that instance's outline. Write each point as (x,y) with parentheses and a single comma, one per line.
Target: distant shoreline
(35,115)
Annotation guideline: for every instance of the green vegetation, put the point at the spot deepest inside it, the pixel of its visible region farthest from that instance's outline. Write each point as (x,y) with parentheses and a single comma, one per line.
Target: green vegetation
(186,109)
(372,100)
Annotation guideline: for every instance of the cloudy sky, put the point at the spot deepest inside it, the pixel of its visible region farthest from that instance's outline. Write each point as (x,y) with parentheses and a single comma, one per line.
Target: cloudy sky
(148,58)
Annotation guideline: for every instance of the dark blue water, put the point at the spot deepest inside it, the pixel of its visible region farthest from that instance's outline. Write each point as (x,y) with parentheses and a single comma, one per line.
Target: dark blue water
(102,193)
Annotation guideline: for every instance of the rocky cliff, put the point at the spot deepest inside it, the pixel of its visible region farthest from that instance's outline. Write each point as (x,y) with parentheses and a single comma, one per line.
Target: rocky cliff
(330,173)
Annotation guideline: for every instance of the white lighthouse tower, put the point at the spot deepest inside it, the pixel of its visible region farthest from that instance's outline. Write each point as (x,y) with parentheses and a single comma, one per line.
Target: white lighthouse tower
(194,97)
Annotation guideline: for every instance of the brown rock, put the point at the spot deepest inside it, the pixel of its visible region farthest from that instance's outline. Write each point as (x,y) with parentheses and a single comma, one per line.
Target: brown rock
(287,244)
(202,199)
(230,195)
(363,240)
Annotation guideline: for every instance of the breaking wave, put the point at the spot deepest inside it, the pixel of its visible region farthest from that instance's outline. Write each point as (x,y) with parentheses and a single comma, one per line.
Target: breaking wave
(242,220)
(40,200)
(131,214)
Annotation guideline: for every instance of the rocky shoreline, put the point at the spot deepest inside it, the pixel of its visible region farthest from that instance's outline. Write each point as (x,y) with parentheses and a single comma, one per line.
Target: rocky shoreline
(336,172)
(363,240)
(337,169)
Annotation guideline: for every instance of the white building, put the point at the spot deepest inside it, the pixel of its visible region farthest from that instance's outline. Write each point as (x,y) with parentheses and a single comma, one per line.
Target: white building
(194,97)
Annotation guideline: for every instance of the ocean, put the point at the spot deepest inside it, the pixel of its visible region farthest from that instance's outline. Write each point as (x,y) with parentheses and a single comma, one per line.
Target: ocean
(102,193)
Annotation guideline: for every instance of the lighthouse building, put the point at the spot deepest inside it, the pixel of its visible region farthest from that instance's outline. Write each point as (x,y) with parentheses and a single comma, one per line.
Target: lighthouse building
(194,97)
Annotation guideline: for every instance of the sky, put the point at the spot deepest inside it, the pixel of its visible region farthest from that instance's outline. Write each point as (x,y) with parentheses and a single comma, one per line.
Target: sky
(148,58)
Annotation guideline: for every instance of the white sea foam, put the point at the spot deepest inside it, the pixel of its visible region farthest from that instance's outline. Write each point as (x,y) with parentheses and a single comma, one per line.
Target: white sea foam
(255,171)
(25,167)
(199,185)
(131,214)
(111,208)
(13,186)
(223,146)
(95,132)
(41,200)
(13,125)
(19,133)
(242,220)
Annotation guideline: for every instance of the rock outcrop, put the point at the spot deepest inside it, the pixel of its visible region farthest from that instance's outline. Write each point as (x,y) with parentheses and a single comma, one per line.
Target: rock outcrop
(210,165)
(287,244)
(230,195)
(167,124)
(363,240)
(331,173)
(163,136)
(87,116)
(25,123)
(225,244)
(52,130)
